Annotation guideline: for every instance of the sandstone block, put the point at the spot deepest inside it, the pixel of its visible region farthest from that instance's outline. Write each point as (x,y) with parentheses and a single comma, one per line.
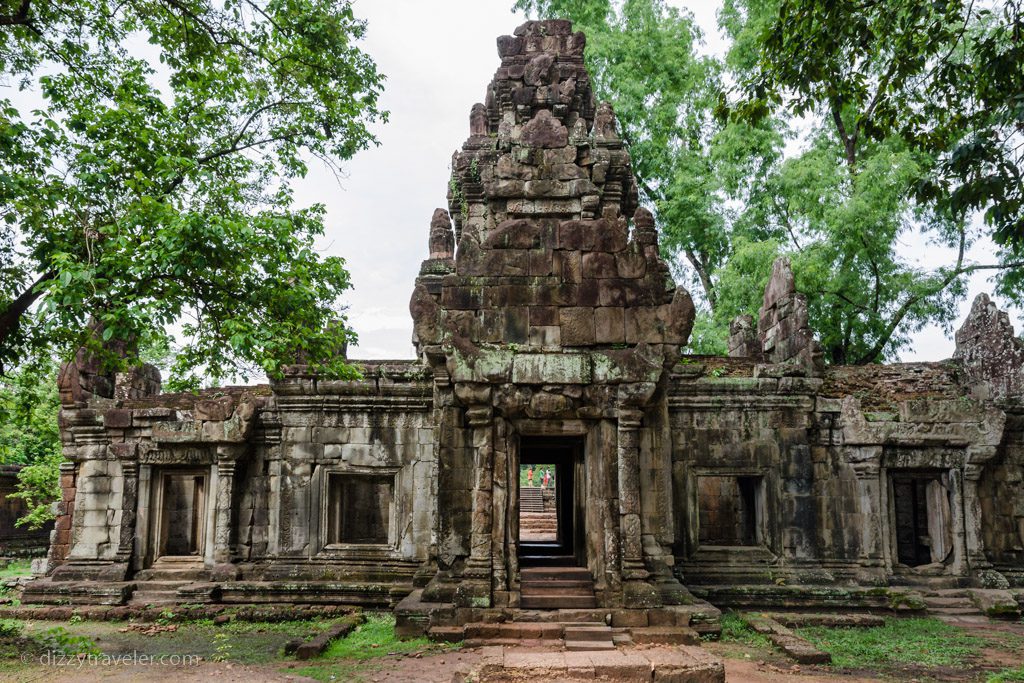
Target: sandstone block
(577,325)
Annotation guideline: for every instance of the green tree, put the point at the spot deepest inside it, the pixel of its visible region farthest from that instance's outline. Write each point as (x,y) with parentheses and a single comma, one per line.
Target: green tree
(151,186)
(29,436)
(862,177)
(880,86)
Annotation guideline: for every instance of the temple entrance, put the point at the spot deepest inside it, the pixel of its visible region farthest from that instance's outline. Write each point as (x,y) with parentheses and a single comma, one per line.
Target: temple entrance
(548,503)
(922,517)
(551,526)
(179,528)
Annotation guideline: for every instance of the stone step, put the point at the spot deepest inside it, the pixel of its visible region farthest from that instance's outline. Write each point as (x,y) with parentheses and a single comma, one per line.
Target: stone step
(664,635)
(515,629)
(967,610)
(593,632)
(542,590)
(554,573)
(558,583)
(172,573)
(588,645)
(558,602)
(932,602)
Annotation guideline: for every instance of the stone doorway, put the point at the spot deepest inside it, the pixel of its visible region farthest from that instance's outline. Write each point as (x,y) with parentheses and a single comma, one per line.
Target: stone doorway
(923,517)
(180,506)
(550,509)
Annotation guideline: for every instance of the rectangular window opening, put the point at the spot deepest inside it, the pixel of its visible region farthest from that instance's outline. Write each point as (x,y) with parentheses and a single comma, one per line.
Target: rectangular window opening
(359,508)
(731,510)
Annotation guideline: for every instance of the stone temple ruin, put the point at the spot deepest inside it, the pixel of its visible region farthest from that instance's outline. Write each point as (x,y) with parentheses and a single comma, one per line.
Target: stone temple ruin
(548,330)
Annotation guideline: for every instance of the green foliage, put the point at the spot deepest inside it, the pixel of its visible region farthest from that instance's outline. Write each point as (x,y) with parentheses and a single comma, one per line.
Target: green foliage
(945,77)
(29,436)
(888,89)
(16,568)
(879,160)
(59,639)
(927,642)
(152,186)
(11,628)
(28,414)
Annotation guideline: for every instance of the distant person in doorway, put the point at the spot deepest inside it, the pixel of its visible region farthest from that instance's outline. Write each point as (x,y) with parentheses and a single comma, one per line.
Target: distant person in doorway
(529,476)
(547,478)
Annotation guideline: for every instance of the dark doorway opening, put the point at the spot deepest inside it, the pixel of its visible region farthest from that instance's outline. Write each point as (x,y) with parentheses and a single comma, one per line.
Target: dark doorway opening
(181,514)
(550,511)
(922,516)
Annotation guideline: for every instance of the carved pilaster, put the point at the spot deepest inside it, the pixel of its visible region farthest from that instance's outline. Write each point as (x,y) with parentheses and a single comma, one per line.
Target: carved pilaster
(868,470)
(975,544)
(227,457)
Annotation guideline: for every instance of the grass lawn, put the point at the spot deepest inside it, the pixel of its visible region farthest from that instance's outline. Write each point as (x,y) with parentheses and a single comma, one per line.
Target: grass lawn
(15,569)
(921,642)
(347,658)
(736,631)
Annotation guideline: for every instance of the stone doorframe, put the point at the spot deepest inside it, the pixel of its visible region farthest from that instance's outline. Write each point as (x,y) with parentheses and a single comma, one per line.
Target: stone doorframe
(961,437)
(588,434)
(219,465)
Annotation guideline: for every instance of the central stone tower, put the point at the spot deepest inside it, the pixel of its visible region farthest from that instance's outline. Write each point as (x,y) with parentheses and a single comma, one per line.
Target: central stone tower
(548,317)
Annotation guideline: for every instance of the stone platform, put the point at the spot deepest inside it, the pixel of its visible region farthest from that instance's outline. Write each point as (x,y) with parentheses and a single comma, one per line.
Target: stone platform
(679,664)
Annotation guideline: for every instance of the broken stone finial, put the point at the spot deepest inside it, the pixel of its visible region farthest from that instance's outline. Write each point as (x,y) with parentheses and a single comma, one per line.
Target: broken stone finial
(992,355)
(605,125)
(784,331)
(442,239)
(644,232)
(781,285)
(743,341)
(478,121)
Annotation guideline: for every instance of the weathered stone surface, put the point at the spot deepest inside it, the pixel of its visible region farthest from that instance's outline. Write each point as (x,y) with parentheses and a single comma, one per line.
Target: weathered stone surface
(992,354)
(544,131)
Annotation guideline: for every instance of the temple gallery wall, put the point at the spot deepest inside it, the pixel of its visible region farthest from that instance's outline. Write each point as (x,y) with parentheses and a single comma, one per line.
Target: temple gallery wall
(549,335)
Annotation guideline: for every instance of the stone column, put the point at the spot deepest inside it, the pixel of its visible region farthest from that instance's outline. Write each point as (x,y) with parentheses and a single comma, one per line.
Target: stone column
(869,493)
(129,504)
(636,592)
(227,456)
(973,541)
(475,590)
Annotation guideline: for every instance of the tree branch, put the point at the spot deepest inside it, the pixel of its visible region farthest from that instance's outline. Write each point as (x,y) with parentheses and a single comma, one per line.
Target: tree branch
(10,318)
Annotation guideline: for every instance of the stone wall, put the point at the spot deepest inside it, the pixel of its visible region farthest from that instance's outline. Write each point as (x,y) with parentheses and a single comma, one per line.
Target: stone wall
(544,317)
(14,539)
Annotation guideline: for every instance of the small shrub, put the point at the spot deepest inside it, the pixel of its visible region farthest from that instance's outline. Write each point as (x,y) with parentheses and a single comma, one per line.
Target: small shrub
(10,628)
(59,639)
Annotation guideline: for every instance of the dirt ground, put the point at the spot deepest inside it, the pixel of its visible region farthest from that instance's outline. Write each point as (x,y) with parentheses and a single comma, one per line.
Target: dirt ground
(255,657)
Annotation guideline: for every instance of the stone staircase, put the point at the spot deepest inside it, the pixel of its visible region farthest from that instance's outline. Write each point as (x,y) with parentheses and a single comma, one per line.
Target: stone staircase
(538,527)
(156,593)
(556,588)
(159,584)
(950,602)
(531,499)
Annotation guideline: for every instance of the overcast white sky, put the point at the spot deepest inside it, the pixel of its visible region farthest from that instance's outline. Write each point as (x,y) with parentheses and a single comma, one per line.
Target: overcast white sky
(439,57)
